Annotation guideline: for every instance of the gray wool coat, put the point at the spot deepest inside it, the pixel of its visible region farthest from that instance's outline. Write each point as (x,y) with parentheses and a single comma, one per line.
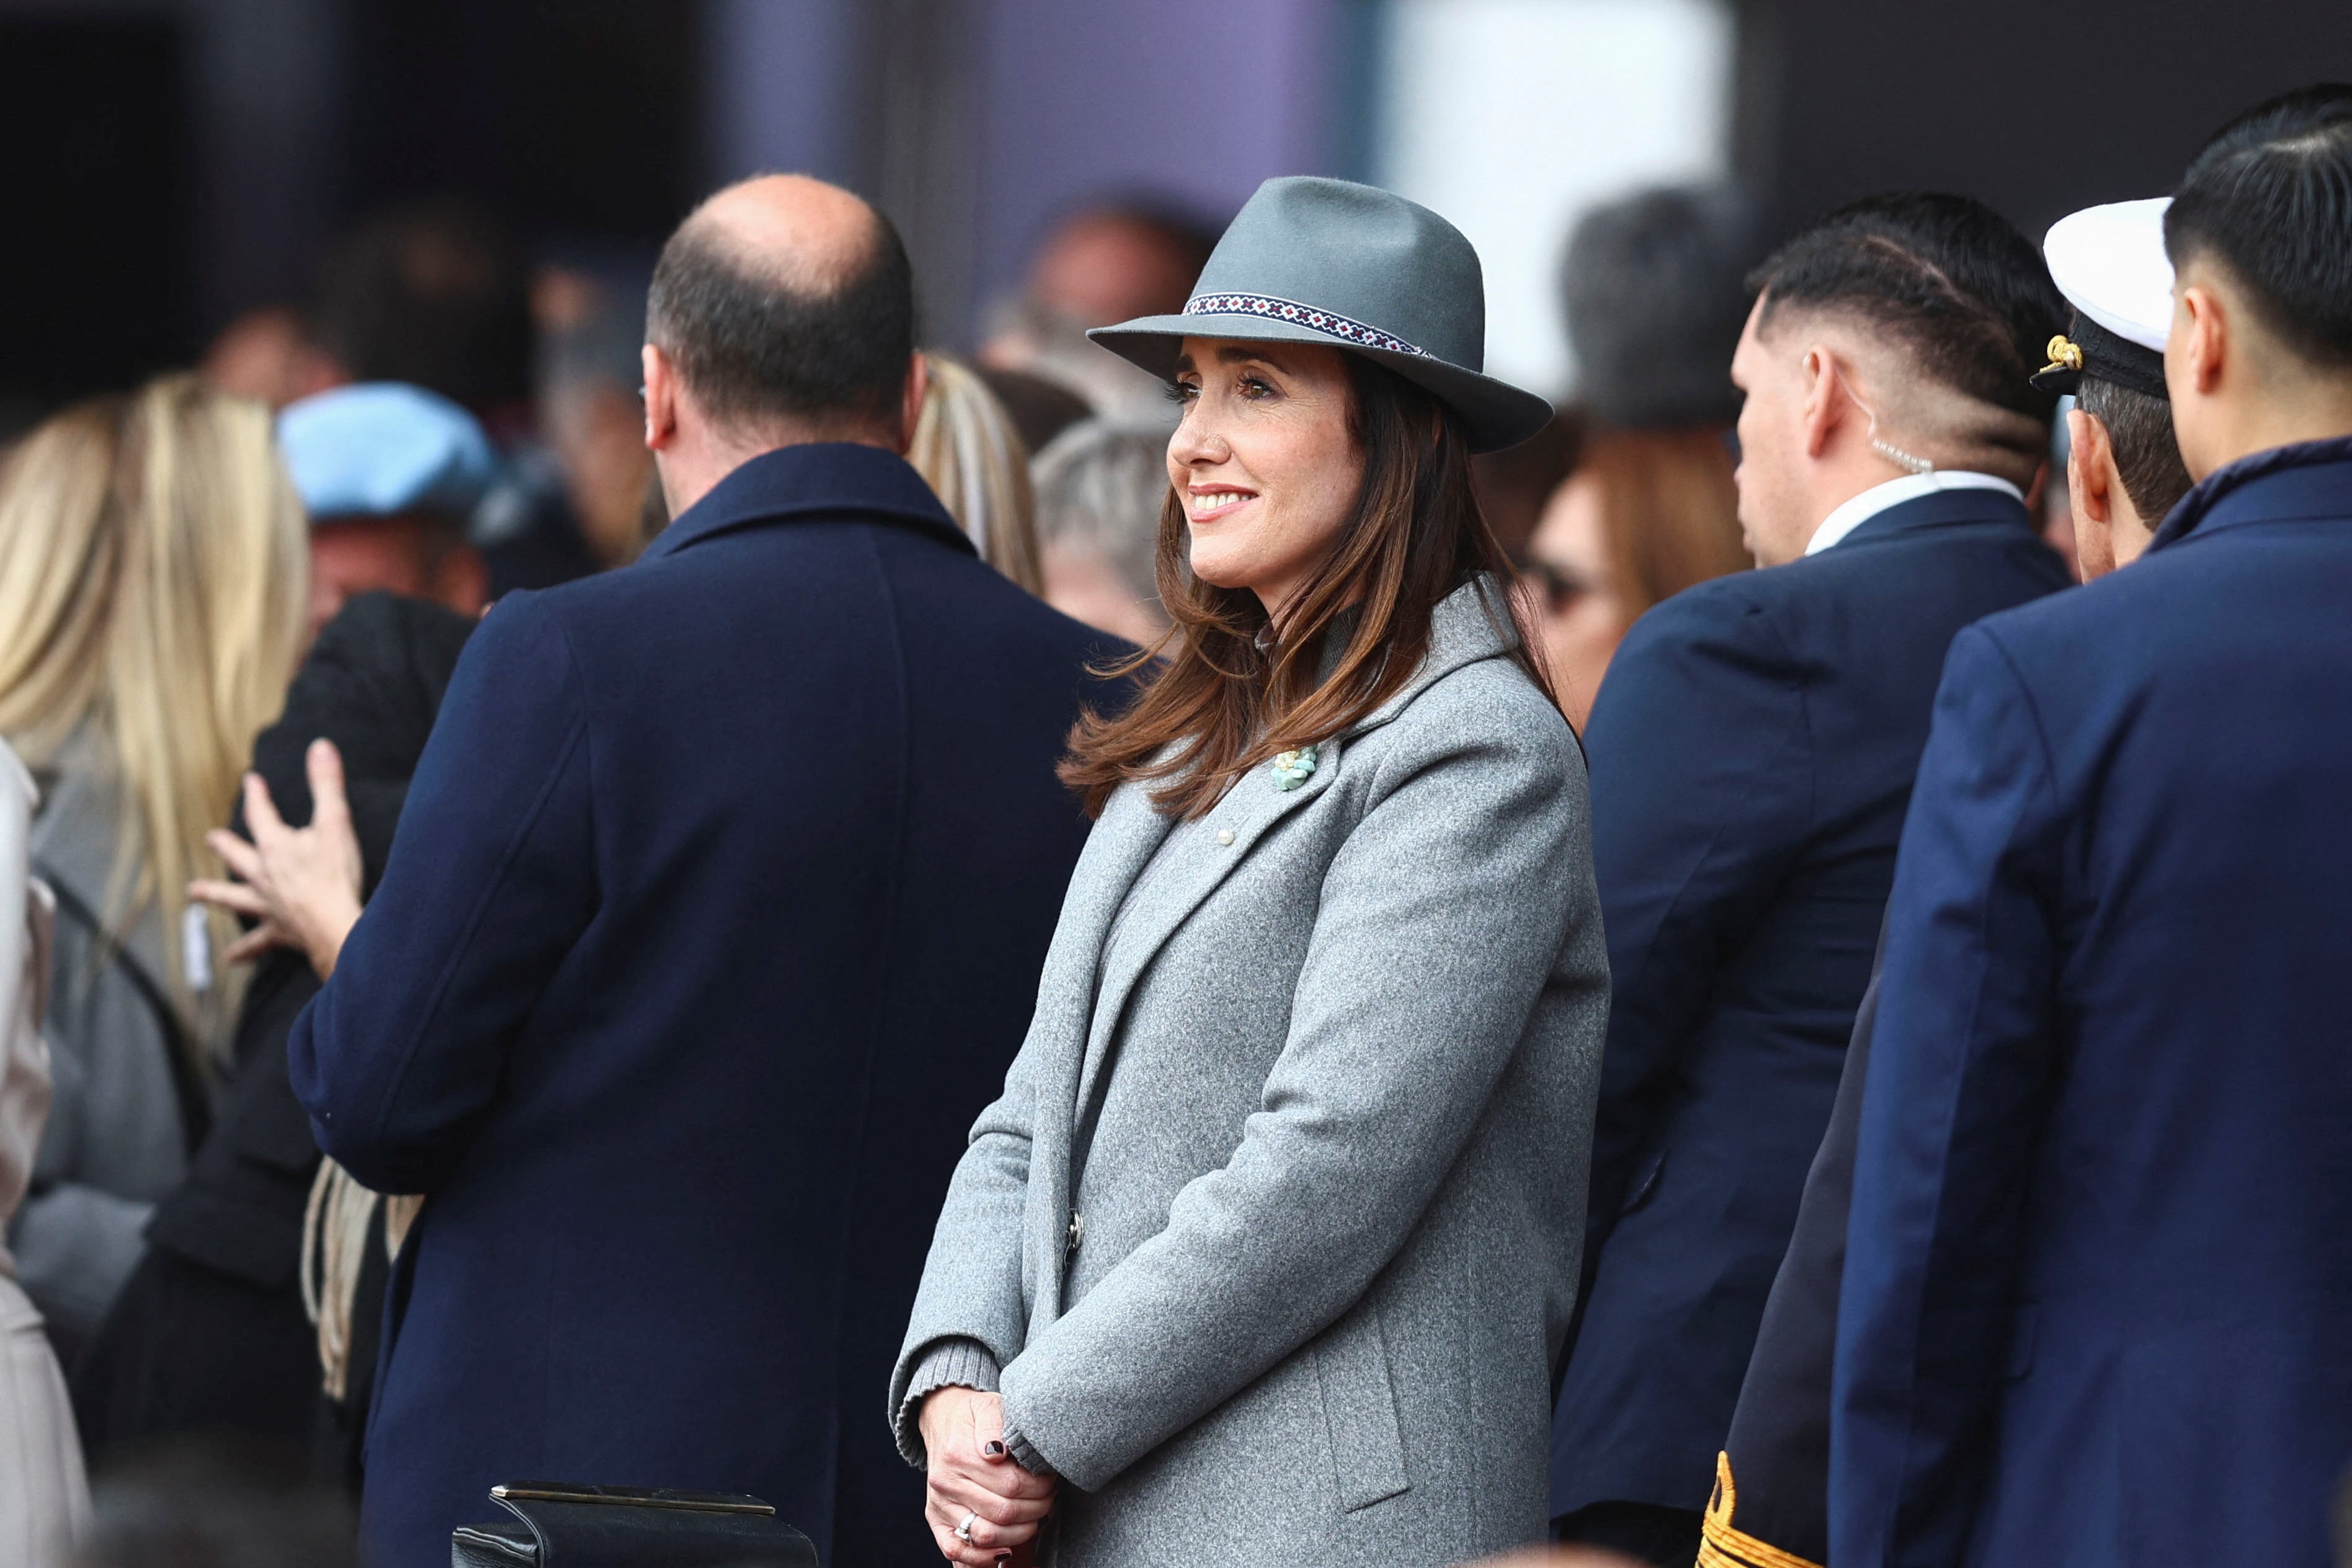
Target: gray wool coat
(1273,1237)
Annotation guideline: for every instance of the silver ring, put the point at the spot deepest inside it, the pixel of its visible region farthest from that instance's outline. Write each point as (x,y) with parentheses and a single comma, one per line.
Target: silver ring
(963,1531)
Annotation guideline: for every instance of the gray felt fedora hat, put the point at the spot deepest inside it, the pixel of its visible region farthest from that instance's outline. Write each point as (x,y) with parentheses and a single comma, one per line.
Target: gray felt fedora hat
(1324,261)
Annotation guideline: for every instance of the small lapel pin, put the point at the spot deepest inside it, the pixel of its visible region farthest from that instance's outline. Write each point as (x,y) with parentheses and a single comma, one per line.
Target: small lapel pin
(1291,769)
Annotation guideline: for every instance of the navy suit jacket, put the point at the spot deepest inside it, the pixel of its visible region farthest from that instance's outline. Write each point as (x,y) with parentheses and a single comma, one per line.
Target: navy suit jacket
(2097,1301)
(716,914)
(1778,1446)
(1753,753)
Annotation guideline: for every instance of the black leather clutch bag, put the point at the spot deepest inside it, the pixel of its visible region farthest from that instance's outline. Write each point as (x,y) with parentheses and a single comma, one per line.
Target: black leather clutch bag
(556,1525)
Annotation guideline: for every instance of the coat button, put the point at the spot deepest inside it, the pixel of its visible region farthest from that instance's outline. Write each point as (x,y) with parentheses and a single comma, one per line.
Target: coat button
(1224,836)
(1077,1233)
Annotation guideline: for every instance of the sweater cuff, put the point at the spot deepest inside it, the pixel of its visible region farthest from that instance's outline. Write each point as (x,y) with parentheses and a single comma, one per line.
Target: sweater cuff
(949,1363)
(953,1364)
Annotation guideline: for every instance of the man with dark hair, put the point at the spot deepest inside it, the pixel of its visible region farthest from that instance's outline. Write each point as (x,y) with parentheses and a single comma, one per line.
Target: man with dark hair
(1772,1501)
(715,916)
(1752,754)
(2097,1299)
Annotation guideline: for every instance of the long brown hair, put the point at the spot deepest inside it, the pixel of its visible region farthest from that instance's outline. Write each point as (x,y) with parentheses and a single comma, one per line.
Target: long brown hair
(1669,512)
(1218,706)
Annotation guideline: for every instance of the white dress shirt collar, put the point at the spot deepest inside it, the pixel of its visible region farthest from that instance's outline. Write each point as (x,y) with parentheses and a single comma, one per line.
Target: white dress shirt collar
(1861,508)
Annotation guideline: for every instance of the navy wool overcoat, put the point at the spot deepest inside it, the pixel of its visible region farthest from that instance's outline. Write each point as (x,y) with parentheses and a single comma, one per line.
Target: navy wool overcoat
(716,915)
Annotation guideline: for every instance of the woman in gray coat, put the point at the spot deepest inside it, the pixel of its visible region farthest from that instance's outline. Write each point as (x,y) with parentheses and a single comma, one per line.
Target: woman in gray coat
(1265,1253)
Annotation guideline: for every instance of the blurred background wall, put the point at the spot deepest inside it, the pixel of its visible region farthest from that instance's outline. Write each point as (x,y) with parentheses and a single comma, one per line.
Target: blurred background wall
(175,161)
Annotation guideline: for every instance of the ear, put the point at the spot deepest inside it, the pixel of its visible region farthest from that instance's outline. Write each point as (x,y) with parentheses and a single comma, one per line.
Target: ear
(1826,398)
(2201,324)
(2090,468)
(661,395)
(910,400)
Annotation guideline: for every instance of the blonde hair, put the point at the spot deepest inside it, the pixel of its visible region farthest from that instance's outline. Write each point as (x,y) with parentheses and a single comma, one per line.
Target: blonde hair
(967,449)
(154,566)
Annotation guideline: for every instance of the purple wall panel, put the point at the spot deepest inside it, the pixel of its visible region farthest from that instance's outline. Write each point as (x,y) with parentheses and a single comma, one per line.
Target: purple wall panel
(1197,101)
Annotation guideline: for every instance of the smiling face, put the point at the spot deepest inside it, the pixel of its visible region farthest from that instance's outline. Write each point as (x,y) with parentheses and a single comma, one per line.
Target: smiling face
(1264,462)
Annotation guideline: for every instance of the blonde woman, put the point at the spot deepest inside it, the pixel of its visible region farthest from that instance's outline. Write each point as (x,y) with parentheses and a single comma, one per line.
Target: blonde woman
(44,1496)
(152,573)
(967,451)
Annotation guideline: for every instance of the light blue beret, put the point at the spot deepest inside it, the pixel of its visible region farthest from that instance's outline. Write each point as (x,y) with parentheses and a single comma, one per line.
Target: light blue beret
(382,448)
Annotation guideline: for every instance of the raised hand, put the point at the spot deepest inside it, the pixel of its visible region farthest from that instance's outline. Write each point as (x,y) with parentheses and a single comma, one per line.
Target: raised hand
(302,884)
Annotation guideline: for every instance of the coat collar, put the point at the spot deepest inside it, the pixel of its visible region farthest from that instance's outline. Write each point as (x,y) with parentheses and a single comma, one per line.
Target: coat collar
(1472,623)
(1468,626)
(2306,479)
(1939,508)
(818,479)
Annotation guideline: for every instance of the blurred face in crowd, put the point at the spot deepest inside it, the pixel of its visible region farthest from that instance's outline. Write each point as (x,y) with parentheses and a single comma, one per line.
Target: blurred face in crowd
(1264,462)
(1580,612)
(1101,268)
(418,557)
(595,427)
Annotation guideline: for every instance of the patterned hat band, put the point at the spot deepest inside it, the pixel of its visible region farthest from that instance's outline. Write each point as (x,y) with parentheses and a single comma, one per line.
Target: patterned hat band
(1280,309)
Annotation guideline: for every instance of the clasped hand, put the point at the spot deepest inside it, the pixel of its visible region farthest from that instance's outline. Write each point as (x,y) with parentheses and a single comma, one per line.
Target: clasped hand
(969,1472)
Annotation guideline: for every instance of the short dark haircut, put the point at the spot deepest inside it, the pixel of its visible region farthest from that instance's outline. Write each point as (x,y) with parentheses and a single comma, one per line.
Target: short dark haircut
(432,293)
(1652,289)
(2271,196)
(1946,274)
(755,349)
(2147,455)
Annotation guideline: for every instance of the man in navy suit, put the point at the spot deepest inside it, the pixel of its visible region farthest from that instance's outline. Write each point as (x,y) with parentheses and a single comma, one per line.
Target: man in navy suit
(2097,1300)
(1752,751)
(716,913)
(2124,474)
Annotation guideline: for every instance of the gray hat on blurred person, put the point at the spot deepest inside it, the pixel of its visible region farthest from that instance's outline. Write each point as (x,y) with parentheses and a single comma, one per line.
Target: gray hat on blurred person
(1312,261)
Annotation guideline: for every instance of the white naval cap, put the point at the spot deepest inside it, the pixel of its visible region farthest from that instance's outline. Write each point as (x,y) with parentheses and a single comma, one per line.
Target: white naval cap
(2110,264)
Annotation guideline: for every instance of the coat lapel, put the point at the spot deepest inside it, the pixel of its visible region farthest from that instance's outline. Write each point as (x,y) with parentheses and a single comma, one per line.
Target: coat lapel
(1249,810)
(1463,631)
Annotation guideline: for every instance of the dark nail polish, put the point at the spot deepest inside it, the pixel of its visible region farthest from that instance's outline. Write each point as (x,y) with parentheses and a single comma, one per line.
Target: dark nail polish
(992,1448)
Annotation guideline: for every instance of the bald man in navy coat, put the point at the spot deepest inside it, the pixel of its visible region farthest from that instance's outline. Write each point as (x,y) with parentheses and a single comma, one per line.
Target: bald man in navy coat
(715,916)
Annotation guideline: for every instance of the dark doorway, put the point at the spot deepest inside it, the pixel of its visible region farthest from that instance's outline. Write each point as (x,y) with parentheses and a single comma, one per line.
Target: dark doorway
(94,276)
(566,120)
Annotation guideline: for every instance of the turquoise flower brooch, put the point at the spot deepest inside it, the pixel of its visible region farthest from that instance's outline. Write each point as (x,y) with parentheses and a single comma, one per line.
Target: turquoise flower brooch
(1292,769)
